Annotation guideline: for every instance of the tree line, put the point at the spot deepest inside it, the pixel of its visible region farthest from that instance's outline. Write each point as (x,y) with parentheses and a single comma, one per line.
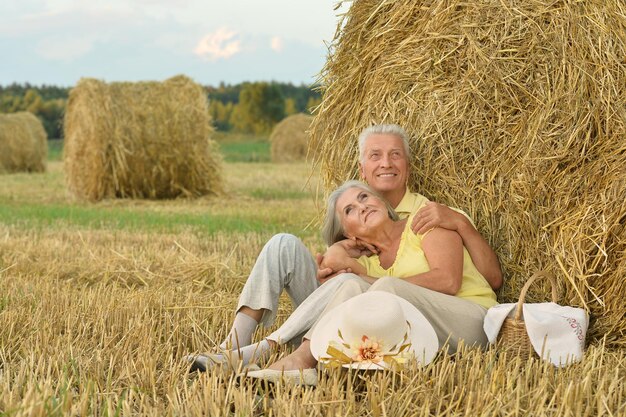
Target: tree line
(249,107)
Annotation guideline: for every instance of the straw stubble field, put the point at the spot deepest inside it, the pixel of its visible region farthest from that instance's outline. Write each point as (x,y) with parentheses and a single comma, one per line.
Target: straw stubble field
(99,303)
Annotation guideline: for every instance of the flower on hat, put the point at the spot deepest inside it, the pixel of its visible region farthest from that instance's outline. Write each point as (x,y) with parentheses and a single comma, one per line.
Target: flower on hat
(367,350)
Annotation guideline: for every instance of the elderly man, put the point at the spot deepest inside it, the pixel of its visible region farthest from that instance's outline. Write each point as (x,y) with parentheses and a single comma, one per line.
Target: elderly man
(286,264)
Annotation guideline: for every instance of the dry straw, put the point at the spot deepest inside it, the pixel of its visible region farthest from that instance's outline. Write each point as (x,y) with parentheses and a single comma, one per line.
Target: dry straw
(23,143)
(290,138)
(517,115)
(140,140)
(97,322)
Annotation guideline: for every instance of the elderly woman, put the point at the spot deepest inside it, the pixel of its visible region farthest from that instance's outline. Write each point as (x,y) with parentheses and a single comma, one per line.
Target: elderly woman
(433,271)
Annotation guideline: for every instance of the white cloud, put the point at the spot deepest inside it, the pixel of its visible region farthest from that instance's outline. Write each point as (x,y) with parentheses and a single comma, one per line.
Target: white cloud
(219,44)
(66,49)
(277,43)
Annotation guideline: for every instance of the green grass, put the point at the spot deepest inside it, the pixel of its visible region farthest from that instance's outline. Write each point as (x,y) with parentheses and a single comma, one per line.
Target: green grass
(235,147)
(38,216)
(55,149)
(253,151)
(240,147)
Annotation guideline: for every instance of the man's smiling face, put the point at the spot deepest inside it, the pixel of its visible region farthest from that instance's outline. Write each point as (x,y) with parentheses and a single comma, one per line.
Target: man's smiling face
(384,163)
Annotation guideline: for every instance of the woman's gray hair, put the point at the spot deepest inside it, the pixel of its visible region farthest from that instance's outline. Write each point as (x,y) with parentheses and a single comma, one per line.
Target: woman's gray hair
(332,230)
(395,130)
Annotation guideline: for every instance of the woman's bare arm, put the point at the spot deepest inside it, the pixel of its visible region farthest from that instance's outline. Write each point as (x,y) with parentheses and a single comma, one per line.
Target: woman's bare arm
(355,249)
(341,256)
(485,259)
(443,249)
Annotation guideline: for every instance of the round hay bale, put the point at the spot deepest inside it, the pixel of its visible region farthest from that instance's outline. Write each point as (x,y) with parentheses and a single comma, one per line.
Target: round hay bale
(517,113)
(23,143)
(140,140)
(289,140)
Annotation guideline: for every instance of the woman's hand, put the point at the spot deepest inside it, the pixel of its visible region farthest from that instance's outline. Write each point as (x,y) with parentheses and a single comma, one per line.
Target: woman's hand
(337,256)
(355,248)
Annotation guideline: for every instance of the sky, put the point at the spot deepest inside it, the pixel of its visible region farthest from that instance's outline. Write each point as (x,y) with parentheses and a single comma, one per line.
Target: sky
(59,41)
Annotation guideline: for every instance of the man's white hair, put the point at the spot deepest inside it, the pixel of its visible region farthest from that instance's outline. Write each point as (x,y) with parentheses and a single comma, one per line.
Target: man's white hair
(383,130)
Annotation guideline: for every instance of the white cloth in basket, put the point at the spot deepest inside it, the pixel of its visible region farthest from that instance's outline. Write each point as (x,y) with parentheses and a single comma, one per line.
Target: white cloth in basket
(557,331)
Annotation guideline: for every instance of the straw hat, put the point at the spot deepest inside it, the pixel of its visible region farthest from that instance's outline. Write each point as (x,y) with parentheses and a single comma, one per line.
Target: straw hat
(374,330)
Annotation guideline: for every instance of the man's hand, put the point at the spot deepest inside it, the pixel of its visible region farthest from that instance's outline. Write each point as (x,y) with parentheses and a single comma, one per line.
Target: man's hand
(435,215)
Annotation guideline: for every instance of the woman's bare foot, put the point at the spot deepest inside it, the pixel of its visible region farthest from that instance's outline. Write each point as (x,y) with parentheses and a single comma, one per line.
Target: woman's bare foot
(301,358)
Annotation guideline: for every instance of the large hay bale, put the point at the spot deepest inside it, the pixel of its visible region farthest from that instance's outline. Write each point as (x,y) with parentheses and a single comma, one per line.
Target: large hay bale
(517,111)
(289,140)
(140,140)
(23,143)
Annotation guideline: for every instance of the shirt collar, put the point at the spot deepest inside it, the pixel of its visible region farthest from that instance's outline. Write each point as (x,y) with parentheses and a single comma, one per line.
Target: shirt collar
(410,202)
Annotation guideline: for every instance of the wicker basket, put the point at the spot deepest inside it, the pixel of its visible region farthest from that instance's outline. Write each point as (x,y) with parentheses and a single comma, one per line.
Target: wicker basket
(513,336)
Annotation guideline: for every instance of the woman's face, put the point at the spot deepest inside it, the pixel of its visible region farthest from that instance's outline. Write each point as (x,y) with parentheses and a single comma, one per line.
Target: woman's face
(360,212)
